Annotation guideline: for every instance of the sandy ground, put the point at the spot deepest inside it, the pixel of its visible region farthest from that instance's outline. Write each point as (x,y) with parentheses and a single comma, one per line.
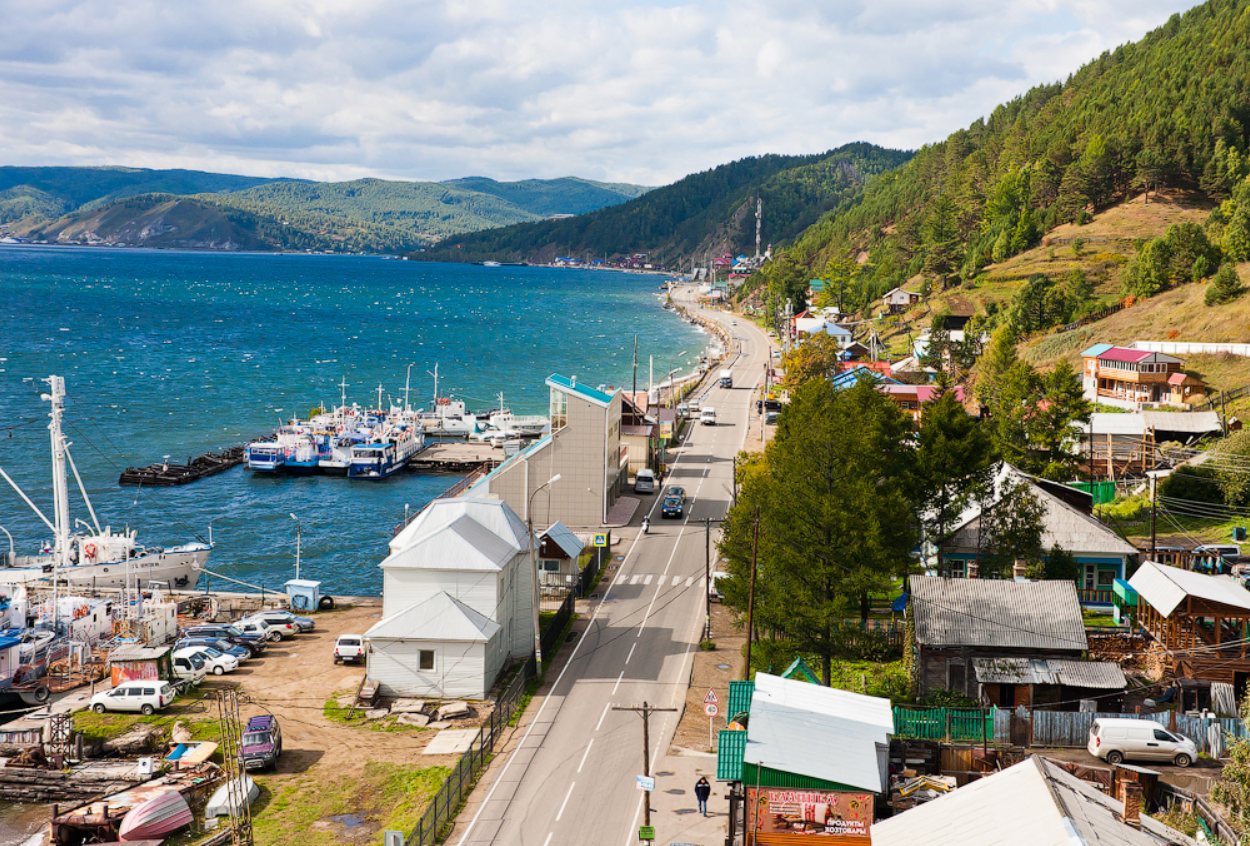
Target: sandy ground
(711,669)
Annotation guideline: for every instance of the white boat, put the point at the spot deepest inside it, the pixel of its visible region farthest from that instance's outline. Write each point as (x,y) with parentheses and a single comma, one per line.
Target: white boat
(447,416)
(228,796)
(97,557)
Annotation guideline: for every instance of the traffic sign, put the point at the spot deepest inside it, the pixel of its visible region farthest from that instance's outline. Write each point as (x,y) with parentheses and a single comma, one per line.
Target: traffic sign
(645,782)
(646,832)
(711,697)
(711,709)
(601,538)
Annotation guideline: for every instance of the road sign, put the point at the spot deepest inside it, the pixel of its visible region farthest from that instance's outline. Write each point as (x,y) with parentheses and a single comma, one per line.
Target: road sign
(646,832)
(645,782)
(711,709)
(601,538)
(711,697)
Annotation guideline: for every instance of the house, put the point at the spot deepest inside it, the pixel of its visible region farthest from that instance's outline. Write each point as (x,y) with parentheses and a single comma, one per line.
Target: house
(812,760)
(898,301)
(912,398)
(559,557)
(1129,378)
(1034,803)
(1067,522)
(1118,443)
(1006,643)
(814,325)
(1202,622)
(457,587)
(861,370)
(641,434)
(584,449)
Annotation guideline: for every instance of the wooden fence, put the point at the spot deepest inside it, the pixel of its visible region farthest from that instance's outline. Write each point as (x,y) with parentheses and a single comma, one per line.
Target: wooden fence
(1216,402)
(1071,728)
(1090,318)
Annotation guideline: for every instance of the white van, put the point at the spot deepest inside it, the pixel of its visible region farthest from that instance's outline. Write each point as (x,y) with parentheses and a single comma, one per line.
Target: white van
(1115,739)
(644,482)
(707,416)
(147,697)
(189,665)
(1230,551)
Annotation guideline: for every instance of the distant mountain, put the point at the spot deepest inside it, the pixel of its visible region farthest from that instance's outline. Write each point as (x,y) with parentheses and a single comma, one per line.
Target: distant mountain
(221,211)
(704,212)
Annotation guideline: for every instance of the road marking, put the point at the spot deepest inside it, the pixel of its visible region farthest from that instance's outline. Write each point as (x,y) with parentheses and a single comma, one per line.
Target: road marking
(586,755)
(676,581)
(606,707)
(646,580)
(631,652)
(548,840)
(690,581)
(633,580)
(684,525)
(566,801)
(618,682)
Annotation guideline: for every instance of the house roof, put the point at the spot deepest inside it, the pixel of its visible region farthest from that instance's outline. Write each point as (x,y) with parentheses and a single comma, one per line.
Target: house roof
(569,386)
(440,617)
(1034,803)
(1184,379)
(1102,675)
(851,375)
(138,652)
(463,544)
(1097,350)
(495,515)
(1165,588)
(997,612)
(1131,355)
(561,536)
(833,735)
(901,291)
(1192,422)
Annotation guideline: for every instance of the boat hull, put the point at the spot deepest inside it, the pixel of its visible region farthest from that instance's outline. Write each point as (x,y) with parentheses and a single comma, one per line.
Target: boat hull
(179,567)
(158,817)
(221,802)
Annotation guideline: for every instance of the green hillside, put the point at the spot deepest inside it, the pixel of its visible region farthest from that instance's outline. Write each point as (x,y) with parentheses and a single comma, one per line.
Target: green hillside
(545,197)
(1172,110)
(712,210)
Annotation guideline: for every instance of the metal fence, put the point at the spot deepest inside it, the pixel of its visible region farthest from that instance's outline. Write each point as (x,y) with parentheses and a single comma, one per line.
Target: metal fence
(952,725)
(447,800)
(550,637)
(1071,728)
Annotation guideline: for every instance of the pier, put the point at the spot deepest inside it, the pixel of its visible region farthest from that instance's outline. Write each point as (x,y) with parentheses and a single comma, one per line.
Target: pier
(456,457)
(162,474)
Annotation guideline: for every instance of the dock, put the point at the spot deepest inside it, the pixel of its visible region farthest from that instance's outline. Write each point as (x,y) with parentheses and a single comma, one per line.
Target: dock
(162,474)
(456,457)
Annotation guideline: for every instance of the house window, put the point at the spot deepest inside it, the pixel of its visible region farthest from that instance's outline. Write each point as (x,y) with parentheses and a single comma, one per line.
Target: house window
(425,659)
(559,409)
(551,566)
(1106,579)
(956,676)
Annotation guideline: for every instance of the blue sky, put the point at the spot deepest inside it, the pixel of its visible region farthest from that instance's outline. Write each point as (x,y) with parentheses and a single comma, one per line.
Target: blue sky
(623,91)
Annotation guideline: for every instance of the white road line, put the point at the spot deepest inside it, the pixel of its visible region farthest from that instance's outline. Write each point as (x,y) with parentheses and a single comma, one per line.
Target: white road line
(618,682)
(689,581)
(676,581)
(646,580)
(548,840)
(607,706)
(586,754)
(631,652)
(633,580)
(566,801)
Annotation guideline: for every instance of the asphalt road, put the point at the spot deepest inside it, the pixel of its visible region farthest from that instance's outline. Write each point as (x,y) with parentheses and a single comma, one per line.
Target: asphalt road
(571,777)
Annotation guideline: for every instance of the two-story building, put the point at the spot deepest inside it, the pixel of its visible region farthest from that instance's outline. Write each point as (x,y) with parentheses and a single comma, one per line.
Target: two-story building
(898,301)
(1131,378)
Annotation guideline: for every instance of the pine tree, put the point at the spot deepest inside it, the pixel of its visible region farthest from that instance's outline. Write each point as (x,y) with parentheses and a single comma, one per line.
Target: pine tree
(1237,235)
(1000,356)
(942,252)
(1225,286)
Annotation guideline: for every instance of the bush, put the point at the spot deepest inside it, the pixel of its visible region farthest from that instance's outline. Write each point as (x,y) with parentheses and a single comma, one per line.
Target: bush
(1225,287)
(1195,483)
(947,699)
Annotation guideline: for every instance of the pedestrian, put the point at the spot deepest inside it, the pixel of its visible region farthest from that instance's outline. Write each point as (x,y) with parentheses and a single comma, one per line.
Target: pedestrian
(702,790)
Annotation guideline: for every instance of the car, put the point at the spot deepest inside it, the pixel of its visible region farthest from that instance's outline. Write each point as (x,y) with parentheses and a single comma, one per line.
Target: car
(215,662)
(253,642)
(147,697)
(677,492)
(282,628)
(302,624)
(644,481)
(713,589)
(349,648)
(1115,739)
(189,665)
(707,416)
(242,653)
(262,743)
(762,405)
(672,507)
(251,626)
(770,417)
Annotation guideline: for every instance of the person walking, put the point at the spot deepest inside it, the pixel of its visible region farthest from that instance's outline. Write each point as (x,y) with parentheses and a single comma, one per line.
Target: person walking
(702,790)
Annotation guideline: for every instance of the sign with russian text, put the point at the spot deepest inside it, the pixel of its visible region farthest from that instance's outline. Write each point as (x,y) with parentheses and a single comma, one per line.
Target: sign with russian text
(784,815)
(645,782)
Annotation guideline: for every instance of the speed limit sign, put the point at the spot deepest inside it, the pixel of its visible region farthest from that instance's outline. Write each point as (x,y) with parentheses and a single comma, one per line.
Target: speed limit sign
(711,709)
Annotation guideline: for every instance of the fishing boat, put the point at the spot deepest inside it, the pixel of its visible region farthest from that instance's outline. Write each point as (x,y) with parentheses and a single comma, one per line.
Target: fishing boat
(524,425)
(158,817)
(387,453)
(226,798)
(96,557)
(448,417)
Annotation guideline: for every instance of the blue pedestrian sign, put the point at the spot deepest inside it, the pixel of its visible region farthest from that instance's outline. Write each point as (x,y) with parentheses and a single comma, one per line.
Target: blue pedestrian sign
(601,538)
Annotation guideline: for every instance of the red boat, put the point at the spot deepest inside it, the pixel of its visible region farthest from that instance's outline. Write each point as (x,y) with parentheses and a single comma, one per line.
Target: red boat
(156,818)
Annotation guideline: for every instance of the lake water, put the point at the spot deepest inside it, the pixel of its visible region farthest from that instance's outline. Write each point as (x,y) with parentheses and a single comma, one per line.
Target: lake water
(178,353)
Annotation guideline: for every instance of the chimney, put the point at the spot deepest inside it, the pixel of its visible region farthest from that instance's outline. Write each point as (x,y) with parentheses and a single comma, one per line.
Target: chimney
(1018,570)
(1130,796)
(974,569)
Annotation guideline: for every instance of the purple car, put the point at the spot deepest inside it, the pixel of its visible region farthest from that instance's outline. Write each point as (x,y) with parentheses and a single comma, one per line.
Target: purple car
(262,743)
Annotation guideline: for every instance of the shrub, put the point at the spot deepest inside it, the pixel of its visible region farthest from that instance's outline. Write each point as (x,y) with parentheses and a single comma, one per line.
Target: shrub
(1225,287)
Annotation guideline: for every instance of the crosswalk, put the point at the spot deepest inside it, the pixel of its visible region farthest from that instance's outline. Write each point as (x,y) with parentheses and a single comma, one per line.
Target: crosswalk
(648,578)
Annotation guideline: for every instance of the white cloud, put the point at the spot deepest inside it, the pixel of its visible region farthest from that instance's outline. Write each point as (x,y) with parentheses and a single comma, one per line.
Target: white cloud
(629,91)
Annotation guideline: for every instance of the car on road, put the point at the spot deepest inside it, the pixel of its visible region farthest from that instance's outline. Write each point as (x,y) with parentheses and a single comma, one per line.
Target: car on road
(644,481)
(707,416)
(349,648)
(1115,740)
(230,634)
(242,653)
(770,417)
(147,697)
(272,615)
(672,507)
(677,492)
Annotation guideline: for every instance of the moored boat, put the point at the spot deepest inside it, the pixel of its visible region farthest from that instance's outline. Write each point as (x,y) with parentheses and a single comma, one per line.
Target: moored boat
(227,796)
(158,817)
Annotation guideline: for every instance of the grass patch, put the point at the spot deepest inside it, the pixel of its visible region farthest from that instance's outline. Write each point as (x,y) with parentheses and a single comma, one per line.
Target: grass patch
(342,714)
(198,715)
(1093,619)
(886,679)
(389,796)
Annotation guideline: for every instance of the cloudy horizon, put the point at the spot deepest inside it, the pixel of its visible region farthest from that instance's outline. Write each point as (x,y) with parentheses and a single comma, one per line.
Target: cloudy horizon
(641,92)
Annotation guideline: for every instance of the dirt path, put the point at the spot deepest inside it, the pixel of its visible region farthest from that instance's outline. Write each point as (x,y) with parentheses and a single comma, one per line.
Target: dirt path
(711,669)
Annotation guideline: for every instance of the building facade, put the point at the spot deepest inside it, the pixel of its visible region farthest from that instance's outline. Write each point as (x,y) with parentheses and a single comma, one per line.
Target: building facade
(1131,378)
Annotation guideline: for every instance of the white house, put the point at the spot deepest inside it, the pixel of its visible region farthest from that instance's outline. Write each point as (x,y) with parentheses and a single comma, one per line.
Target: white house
(898,300)
(812,325)
(462,563)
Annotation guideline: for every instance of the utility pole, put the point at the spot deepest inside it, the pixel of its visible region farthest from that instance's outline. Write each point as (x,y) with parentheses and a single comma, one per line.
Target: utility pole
(646,711)
(707,578)
(759,215)
(755,546)
(1154,507)
(634,397)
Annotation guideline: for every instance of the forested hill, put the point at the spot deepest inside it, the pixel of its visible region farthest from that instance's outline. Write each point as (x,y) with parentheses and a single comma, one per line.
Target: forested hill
(1172,109)
(709,211)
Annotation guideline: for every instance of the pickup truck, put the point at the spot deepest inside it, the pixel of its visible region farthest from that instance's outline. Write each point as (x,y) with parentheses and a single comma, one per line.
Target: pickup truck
(349,648)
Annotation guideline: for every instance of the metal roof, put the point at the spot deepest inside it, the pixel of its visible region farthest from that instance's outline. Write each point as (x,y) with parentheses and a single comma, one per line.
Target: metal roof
(997,612)
(1097,350)
(1123,354)
(1195,422)
(1166,588)
(1102,675)
(136,652)
(442,617)
(569,386)
(871,710)
(1034,803)
(730,748)
(563,537)
(465,544)
(493,514)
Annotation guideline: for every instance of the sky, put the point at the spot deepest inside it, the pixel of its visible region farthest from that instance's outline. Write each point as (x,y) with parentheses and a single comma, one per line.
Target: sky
(622,91)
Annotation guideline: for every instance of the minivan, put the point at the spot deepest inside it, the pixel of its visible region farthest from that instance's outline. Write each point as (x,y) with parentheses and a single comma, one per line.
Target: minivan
(147,696)
(189,665)
(1116,739)
(707,417)
(644,482)
(1230,551)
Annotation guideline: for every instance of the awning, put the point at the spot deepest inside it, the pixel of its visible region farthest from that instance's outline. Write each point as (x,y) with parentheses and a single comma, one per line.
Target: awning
(1102,675)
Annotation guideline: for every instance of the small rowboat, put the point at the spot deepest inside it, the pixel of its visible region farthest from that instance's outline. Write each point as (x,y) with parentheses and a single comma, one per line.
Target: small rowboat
(221,802)
(154,819)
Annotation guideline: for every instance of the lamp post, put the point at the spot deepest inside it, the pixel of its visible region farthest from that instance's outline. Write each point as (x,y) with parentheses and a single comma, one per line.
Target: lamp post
(6,531)
(529,524)
(299,530)
(672,394)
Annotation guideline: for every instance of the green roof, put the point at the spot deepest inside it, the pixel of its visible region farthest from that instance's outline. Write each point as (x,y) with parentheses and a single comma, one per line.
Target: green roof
(768,777)
(567,385)
(731,748)
(740,693)
(817,285)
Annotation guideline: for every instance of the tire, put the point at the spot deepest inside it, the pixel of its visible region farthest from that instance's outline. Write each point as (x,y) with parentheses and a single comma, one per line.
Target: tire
(1182,760)
(326,603)
(218,670)
(42,694)
(337,659)
(98,707)
(147,710)
(1115,757)
(275,636)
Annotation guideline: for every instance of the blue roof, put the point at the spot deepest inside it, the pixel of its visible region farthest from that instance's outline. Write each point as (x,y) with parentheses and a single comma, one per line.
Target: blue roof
(1097,350)
(567,385)
(816,285)
(847,378)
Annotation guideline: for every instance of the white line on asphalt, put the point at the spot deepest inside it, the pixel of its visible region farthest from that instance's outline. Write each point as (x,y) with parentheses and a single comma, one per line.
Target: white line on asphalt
(633,580)
(676,581)
(585,755)
(689,581)
(606,707)
(566,801)
(672,555)
(548,840)
(646,580)
(618,682)
(631,652)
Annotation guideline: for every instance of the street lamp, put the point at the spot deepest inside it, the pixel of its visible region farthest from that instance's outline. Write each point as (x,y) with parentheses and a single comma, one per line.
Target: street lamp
(529,525)
(6,531)
(299,530)
(671,393)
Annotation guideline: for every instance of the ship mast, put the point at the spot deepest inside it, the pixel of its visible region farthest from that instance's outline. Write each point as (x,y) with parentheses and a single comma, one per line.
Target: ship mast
(60,487)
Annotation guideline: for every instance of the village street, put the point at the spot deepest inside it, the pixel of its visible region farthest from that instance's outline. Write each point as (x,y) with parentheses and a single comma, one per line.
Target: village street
(569,776)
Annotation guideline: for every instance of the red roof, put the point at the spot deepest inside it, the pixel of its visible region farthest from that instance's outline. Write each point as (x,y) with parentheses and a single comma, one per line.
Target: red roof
(1178,378)
(1124,354)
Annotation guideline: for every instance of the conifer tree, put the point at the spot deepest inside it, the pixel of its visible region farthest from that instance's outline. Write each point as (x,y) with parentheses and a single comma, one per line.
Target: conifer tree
(1225,286)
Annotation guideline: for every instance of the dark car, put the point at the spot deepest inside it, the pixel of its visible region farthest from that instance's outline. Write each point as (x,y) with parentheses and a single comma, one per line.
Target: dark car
(262,743)
(680,493)
(672,507)
(224,647)
(767,405)
(229,634)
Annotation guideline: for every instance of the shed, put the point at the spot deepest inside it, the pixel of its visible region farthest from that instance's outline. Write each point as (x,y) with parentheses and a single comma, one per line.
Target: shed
(303,594)
(559,556)
(133,662)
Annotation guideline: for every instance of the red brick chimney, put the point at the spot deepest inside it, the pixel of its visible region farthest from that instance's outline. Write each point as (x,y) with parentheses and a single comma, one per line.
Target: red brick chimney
(1130,796)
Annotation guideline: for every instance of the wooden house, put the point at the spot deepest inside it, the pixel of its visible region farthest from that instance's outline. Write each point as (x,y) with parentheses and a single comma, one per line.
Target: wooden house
(1130,378)
(559,554)
(898,301)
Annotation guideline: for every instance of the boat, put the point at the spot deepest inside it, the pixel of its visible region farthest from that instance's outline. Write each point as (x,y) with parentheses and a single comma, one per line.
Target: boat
(524,425)
(226,797)
(387,453)
(158,817)
(96,557)
(491,264)
(448,417)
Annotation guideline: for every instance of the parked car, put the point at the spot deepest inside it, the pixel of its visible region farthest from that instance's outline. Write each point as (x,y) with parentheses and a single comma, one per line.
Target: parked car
(644,481)
(262,742)
(253,642)
(242,653)
(672,507)
(713,589)
(283,628)
(1117,739)
(189,665)
(302,624)
(1230,552)
(770,417)
(215,662)
(252,626)
(349,648)
(762,405)
(147,697)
